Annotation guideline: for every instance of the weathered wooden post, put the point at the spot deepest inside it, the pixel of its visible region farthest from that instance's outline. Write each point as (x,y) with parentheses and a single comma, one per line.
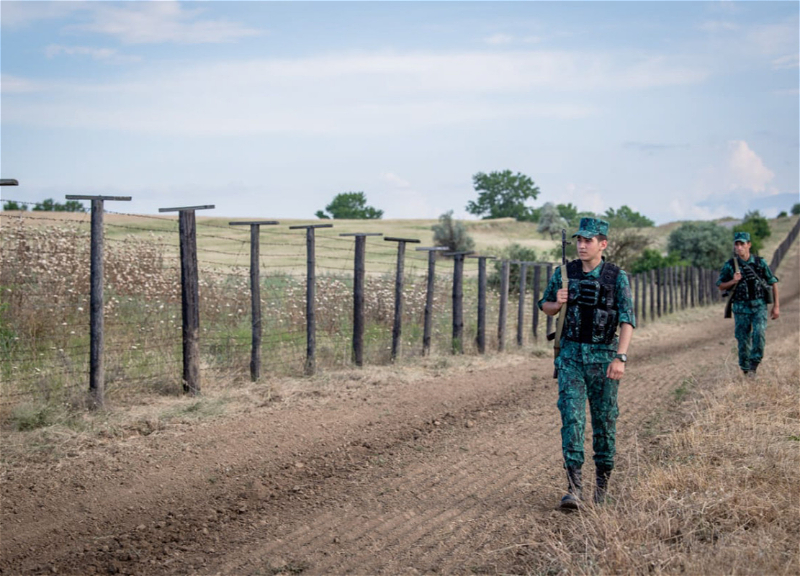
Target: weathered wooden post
(480,338)
(692,297)
(501,321)
(458,300)
(428,324)
(523,286)
(255,292)
(549,320)
(642,276)
(311,293)
(636,298)
(96,318)
(701,295)
(652,296)
(398,292)
(190,295)
(359,272)
(537,279)
(659,290)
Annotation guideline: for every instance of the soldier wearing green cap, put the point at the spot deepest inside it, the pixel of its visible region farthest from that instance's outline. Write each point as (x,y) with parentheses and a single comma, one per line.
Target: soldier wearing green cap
(754,287)
(592,358)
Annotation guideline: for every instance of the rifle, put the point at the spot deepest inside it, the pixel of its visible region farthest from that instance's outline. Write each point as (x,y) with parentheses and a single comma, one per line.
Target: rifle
(563,313)
(729,303)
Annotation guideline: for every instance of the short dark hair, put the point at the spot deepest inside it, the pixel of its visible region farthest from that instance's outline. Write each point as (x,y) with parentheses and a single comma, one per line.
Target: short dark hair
(601,237)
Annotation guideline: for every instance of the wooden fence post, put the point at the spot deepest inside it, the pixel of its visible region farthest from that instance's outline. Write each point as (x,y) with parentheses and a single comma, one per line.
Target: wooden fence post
(458,300)
(397,327)
(636,298)
(96,298)
(428,324)
(501,321)
(311,293)
(480,338)
(523,285)
(659,290)
(359,271)
(190,295)
(255,293)
(537,279)
(652,295)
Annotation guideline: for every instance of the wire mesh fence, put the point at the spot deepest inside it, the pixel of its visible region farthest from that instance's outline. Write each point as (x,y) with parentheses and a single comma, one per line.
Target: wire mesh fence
(45,285)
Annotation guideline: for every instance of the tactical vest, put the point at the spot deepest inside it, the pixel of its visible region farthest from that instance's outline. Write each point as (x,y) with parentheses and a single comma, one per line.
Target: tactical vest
(753,282)
(592,307)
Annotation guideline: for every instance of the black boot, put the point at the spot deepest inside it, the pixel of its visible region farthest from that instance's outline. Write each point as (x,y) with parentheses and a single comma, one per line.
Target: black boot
(603,474)
(572,498)
(753,368)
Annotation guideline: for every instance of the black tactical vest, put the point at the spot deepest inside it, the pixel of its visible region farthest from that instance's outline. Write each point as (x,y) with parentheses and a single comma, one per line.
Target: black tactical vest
(752,284)
(592,307)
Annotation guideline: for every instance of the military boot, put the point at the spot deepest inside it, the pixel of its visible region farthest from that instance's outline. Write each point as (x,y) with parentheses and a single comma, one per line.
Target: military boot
(603,474)
(572,498)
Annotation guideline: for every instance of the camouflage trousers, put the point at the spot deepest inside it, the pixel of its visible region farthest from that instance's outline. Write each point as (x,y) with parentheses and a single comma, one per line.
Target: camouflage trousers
(750,334)
(578,382)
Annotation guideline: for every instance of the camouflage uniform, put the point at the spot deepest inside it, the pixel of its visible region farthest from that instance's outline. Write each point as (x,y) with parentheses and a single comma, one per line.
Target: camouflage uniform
(582,373)
(750,316)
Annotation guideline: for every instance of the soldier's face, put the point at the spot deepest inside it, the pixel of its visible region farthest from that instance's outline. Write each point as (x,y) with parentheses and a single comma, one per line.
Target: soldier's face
(742,249)
(590,248)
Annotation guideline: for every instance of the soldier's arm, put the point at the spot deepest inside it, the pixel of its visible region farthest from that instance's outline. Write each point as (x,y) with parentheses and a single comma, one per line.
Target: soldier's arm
(617,367)
(554,297)
(776,311)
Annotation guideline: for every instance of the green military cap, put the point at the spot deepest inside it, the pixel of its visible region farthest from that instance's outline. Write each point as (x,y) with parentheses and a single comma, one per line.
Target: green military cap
(741,237)
(591,227)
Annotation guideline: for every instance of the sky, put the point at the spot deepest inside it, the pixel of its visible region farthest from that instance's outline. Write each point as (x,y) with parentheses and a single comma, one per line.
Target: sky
(680,110)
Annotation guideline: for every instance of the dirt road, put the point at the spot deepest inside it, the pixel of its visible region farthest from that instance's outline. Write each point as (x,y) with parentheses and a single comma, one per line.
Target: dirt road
(358,474)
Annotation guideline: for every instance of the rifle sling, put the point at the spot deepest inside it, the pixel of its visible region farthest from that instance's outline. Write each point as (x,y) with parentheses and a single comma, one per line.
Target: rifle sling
(563,313)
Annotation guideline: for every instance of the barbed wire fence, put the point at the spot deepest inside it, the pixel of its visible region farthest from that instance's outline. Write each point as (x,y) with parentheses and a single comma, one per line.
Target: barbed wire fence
(45,298)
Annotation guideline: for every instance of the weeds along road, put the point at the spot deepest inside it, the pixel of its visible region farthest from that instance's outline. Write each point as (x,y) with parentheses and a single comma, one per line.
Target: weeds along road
(356,472)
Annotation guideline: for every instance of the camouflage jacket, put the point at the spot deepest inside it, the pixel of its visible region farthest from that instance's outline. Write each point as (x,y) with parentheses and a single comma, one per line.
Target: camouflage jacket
(747,306)
(593,353)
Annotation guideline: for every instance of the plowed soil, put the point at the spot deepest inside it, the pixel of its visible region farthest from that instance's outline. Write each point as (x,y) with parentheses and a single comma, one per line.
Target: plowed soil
(439,474)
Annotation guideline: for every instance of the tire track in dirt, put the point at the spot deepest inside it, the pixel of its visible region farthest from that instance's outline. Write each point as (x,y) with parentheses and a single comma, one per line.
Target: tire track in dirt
(484,495)
(381,489)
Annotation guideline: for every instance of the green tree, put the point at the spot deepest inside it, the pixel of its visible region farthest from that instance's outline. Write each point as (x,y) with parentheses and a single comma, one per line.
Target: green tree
(569,212)
(513,252)
(782,214)
(12,205)
(452,234)
(652,259)
(704,244)
(625,246)
(796,209)
(350,206)
(503,195)
(550,221)
(49,205)
(626,217)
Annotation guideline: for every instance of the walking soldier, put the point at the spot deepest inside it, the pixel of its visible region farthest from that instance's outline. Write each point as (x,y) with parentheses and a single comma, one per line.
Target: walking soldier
(592,357)
(753,286)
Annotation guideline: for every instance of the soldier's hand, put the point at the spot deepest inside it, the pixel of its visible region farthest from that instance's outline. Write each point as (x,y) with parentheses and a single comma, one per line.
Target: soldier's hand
(616,369)
(562,296)
(737,276)
(775,313)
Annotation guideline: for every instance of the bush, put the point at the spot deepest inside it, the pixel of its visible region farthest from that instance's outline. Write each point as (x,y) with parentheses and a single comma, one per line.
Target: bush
(796,209)
(703,244)
(757,226)
(652,259)
(452,234)
(512,252)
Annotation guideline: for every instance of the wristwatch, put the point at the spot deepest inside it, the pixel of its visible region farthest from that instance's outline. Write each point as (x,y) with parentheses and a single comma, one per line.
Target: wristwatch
(622,357)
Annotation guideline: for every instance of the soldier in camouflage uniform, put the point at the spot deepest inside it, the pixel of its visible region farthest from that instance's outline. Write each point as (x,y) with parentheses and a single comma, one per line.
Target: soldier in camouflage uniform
(754,286)
(592,357)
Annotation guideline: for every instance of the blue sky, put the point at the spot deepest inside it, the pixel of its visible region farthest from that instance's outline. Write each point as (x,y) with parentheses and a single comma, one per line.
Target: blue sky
(681,110)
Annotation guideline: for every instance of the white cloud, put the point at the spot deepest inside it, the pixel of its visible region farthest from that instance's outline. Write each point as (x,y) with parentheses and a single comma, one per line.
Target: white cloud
(498,39)
(786,62)
(747,170)
(110,55)
(349,92)
(719,26)
(158,22)
(586,197)
(16,85)
(394,180)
